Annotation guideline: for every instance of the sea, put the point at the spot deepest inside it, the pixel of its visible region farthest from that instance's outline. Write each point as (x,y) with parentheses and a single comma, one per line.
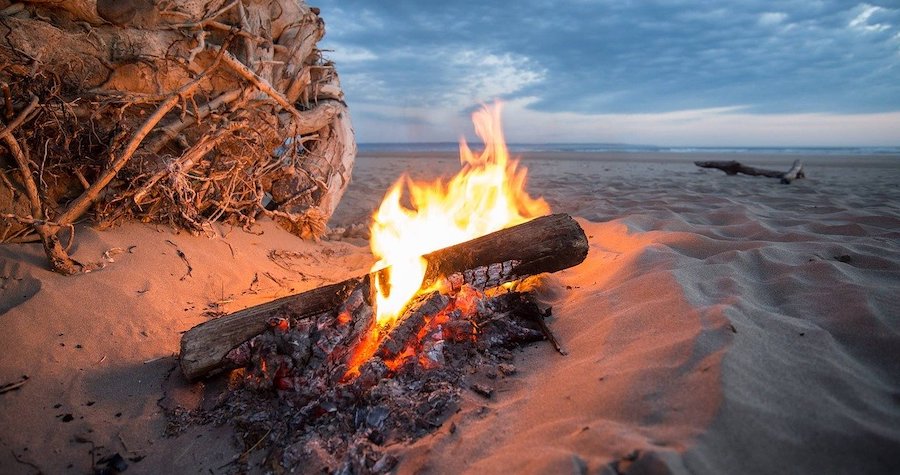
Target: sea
(629,148)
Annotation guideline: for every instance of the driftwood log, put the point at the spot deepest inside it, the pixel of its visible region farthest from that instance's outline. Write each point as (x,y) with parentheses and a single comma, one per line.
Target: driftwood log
(732,167)
(185,113)
(546,244)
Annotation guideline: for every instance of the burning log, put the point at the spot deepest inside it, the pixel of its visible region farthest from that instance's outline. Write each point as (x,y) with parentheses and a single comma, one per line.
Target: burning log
(415,317)
(732,167)
(546,244)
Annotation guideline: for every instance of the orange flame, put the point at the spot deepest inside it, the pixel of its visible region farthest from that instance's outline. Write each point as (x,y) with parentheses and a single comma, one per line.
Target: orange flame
(488,194)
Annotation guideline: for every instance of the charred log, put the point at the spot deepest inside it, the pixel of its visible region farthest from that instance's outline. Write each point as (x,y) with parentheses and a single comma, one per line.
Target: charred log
(412,320)
(546,244)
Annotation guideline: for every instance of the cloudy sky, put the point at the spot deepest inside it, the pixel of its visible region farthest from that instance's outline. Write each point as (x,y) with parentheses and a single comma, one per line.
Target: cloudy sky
(665,72)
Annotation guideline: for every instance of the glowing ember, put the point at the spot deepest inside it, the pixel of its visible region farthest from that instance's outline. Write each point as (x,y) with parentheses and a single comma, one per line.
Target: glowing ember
(488,194)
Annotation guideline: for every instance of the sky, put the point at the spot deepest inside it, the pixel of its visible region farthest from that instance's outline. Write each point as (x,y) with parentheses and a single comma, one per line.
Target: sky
(666,72)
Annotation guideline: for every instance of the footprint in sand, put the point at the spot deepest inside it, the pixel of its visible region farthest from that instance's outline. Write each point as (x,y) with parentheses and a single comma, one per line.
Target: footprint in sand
(16,285)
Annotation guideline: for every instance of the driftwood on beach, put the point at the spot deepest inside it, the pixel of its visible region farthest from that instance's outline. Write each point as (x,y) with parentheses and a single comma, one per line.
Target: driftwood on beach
(185,113)
(546,244)
(732,167)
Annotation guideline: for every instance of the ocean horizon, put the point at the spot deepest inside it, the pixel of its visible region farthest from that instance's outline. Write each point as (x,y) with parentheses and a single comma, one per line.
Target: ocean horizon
(631,148)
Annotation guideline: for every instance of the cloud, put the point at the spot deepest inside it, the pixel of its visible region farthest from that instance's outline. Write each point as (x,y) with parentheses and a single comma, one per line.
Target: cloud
(772,18)
(486,76)
(724,126)
(861,21)
(608,58)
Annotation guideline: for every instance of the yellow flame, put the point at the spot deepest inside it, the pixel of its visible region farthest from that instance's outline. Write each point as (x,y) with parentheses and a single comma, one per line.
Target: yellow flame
(488,194)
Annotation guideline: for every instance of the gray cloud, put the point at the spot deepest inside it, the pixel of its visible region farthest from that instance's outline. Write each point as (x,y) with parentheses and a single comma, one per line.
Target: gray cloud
(612,57)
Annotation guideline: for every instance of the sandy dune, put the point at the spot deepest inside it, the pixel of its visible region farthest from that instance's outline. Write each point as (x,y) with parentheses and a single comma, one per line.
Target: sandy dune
(719,325)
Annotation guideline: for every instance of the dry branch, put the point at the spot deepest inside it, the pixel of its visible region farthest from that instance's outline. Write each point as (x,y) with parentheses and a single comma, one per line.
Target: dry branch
(59,259)
(242,70)
(546,244)
(80,205)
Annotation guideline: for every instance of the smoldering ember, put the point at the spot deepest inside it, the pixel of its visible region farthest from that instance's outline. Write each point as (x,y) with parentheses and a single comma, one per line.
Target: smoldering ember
(201,271)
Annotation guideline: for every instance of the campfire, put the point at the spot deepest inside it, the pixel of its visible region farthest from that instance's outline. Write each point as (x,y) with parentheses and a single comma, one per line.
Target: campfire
(382,358)
(487,195)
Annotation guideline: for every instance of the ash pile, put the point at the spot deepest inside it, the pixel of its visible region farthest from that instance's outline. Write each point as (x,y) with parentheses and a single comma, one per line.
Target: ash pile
(335,393)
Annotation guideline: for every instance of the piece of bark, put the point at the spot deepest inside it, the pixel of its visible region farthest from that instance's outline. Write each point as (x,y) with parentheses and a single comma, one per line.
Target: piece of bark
(732,167)
(546,244)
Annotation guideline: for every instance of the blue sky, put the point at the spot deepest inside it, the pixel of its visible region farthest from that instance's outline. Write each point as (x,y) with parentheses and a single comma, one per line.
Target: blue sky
(674,72)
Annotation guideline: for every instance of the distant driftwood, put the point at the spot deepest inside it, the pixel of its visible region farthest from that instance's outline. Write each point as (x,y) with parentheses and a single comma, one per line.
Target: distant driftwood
(732,167)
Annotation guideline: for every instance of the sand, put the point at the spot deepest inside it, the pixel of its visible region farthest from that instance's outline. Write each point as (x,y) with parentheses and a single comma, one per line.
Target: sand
(719,325)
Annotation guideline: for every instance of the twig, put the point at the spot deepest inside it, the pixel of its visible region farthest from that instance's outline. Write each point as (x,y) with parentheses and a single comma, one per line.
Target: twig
(122,441)
(205,21)
(9,186)
(13,386)
(273,279)
(184,258)
(59,259)
(84,183)
(242,70)
(32,221)
(545,329)
(257,443)
(20,118)
(25,462)
(83,202)
(172,129)
(21,160)
(187,161)
(230,248)
(52,225)
(244,454)
(244,34)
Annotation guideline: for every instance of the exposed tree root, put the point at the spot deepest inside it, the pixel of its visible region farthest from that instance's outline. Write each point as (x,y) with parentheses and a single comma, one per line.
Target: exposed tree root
(185,113)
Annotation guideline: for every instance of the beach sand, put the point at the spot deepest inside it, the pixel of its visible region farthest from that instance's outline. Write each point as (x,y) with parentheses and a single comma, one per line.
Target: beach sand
(719,325)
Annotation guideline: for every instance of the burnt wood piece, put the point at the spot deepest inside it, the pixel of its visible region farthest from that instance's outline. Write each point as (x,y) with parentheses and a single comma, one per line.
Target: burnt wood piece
(413,319)
(732,167)
(545,244)
(203,347)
